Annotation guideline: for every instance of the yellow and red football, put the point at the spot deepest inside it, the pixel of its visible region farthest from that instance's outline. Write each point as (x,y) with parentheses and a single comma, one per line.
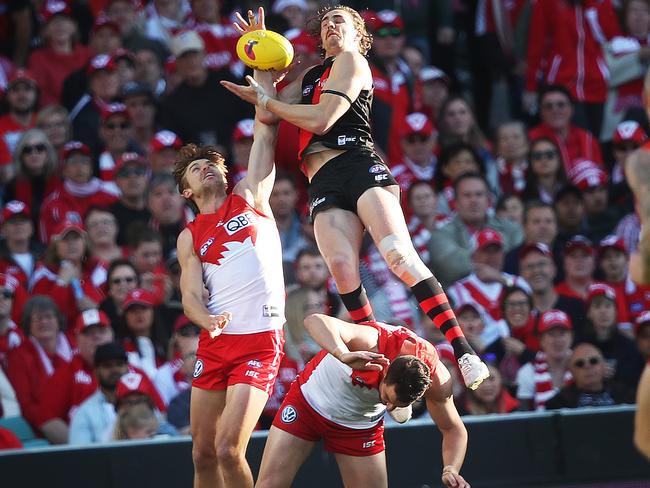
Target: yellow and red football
(264,50)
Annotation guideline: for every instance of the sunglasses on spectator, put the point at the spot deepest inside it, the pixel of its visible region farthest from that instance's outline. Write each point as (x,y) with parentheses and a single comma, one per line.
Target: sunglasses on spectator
(389,32)
(538,155)
(516,304)
(113,126)
(413,138)
(552,105)
(581,363)
(36,148)
(126,172)
(7,293)
(190,330)
(126,279)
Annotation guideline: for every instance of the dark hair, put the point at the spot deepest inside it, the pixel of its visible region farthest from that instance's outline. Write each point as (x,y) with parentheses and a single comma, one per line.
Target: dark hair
(501,202)
(546,89)
(116,263)
(159,179)
(531,190)
(308,251)
(567,189)
(509,290)
(410,376)
(40,303)
(417,183)
(144,234)
(190,153)
(313,27)
(475,137)
(282,175)
(446,155)
(470,176)
(533,204)
(97,208)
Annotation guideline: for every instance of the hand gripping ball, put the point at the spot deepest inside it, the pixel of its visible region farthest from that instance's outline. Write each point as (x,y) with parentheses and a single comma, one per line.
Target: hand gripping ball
(264,50)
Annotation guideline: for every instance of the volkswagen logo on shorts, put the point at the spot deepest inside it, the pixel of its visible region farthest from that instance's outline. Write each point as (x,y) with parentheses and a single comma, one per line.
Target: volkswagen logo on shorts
(288,414)
(377,168)
(198,368)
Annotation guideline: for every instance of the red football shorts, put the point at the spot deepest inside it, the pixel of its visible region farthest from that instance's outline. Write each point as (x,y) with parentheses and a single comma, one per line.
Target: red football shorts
(231,359)
(298,418)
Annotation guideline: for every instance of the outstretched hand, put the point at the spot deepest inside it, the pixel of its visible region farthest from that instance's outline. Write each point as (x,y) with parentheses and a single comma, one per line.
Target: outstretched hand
(364,360)
(252,93)
(454,480)
(252,24)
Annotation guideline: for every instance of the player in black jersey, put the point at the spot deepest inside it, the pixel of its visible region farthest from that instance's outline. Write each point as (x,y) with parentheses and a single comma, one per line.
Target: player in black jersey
(351,189)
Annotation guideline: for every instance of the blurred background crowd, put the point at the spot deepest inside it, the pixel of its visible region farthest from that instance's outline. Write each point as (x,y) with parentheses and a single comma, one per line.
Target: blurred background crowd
(505,122)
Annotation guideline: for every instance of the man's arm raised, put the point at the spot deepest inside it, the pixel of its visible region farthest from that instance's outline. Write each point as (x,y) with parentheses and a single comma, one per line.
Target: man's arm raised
(350,74)
(192,288)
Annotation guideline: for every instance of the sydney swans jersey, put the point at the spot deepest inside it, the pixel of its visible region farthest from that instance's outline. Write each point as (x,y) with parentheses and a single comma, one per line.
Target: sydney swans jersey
(351,130)
(240,252)
(349,397)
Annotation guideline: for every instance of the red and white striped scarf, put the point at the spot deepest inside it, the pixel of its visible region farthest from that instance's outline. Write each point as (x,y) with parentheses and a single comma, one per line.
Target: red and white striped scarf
(544,389)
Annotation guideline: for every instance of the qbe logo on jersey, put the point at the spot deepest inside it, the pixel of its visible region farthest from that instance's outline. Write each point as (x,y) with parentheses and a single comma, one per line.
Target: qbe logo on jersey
(289,414)
(239,222)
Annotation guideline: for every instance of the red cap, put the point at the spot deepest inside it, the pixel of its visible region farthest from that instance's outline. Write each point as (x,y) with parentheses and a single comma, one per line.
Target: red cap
(538,247)
(13,208)
(165,139)
(91,317)
(138,297)
(54,7)
(384,18)
(642,319)
(22,75)
(487,237)
(102,21)
(593,177)
(629,131)
(181,321)
(130,158)
(133,382)
(612,242)
(554,318)
(111,109)
(73,147)
(417,123)
(301,41)
(99,63)
(600,290)
(68,225)
(244,129)
(578,242)
(460,308)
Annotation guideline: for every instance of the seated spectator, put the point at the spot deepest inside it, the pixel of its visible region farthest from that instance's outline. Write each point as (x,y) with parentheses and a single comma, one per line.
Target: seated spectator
(539,380)
(283,200)
(45,350)
(449,246)
(121,278)
(312,273)
(422,204)
(512,157)
(540,225)
(556,111)
(131,177)
(490,397)
(150,58)
(418,138)
(242,141)
(68,274)
(37,165)
(628,137)
(73,382)
(11,336)
(510,207)
(545,174)
(21,101)
(103,88)
(537,267)
(136,423)
(471,319)
(624,363)
(18,253)
(433,84)
(54,122)
(570,213)
(79,192)
(116,134)
(171,377)
(642,334)
(219,36)
(169,214)
(61,54)
(455,160)
(164,19)
(9,406)
(484,286)
(579,267)
(141,106)
(600,217)
(163,148)
(145,341)
(589,388)
(96,415)
(101,226)
(147,257)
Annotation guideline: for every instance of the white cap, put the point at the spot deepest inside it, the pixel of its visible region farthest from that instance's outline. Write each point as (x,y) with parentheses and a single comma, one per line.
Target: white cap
(280,5)
(185,42)
(431,73)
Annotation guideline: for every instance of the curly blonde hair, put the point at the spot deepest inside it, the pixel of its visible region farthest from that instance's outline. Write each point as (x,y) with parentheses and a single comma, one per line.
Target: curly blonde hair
(192,152)
(314,27)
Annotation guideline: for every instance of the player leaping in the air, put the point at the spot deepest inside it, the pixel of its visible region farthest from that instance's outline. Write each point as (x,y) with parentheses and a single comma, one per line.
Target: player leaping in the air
(351,189)
(233,249)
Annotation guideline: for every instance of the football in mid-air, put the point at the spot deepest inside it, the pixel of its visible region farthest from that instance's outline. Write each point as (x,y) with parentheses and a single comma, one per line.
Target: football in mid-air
(264,50)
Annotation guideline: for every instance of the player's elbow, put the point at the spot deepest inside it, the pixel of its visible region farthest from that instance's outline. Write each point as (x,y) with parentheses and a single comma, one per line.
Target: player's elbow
(642,443)
(312,322)
(324,122)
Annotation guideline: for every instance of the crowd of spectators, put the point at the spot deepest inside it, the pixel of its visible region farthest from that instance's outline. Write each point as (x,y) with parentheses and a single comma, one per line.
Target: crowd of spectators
(506,124)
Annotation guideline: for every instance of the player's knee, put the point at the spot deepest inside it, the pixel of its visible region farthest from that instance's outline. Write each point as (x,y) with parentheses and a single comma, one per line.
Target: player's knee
(403,259)
(228,456)
(342,266)
(204,457)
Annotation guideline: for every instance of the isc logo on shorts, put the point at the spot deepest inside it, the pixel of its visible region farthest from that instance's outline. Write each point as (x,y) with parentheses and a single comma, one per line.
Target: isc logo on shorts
(289,414)
(238,222)
(377,168)
(198,368)
(368,444)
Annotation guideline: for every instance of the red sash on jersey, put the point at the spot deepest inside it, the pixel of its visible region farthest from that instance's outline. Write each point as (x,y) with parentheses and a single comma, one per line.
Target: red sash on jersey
(305,136)
(493,307)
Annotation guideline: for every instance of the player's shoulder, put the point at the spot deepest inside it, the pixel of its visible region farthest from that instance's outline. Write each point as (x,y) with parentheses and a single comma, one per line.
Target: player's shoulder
(185,240)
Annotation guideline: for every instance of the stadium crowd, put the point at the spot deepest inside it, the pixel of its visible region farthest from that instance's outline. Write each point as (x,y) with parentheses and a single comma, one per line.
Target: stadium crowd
(506,124)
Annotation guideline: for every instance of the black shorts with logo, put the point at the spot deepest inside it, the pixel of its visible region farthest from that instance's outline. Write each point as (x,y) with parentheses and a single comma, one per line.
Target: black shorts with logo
(342,180)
